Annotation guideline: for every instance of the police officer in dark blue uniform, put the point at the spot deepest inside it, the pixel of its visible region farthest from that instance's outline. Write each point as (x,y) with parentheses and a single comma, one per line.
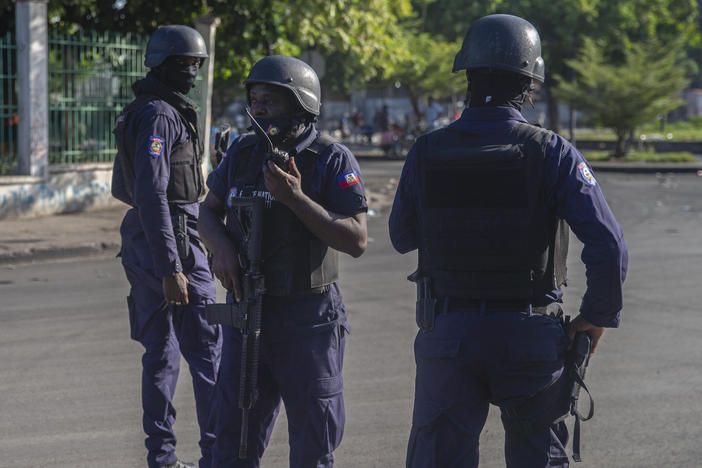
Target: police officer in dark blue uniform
(315,206)
(484,201)
(158,172)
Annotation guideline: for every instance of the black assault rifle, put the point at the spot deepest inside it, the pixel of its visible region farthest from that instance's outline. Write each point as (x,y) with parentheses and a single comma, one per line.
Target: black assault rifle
(245,227)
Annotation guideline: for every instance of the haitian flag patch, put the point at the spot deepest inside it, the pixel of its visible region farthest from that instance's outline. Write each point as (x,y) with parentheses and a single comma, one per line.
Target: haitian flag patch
(348,179)
(156,146)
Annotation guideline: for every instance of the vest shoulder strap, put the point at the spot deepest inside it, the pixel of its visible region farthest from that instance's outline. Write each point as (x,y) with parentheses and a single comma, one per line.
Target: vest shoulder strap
(321,143)
(312,152)
(535,133)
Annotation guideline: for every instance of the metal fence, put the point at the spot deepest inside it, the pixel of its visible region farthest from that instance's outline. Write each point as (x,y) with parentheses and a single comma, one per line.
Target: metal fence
(90,77)
(8,105)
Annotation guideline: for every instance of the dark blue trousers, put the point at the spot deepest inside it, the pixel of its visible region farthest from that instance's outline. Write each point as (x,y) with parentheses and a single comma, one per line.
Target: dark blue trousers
(301,365)
(166,332)
(473,358)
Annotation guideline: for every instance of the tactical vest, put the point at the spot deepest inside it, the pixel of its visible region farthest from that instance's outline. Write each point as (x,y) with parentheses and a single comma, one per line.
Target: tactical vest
(294,260)
(486,229)
(185,183)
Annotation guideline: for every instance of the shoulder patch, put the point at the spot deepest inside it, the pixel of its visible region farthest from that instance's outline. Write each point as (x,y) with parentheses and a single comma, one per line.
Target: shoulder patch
(586,173)
(156,146)
(348,179)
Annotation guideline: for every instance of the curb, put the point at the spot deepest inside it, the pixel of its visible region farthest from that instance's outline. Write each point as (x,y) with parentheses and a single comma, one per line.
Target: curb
(625,168)
(644,168)
(58,253)
(104,249)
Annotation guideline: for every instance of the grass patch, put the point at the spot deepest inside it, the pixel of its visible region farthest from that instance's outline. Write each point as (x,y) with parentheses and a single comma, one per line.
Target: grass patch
(642,156)
(594,134)
(684,130)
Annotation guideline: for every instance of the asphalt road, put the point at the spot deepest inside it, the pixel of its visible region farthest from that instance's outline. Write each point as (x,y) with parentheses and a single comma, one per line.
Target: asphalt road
(69,374)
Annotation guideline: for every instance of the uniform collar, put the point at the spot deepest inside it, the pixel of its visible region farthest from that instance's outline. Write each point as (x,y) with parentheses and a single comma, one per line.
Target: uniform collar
(483,113)
(304,141)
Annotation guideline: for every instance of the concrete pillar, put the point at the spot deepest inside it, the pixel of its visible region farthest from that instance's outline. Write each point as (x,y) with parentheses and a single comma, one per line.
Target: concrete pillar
(33,84)
(206,25)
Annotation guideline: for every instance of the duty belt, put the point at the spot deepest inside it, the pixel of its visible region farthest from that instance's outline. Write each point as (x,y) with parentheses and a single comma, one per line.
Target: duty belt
(553,309)
(231,314)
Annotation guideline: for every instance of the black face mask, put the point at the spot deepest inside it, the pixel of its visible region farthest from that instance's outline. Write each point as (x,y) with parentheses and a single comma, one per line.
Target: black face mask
(179,77)
(499,89)
(280,129)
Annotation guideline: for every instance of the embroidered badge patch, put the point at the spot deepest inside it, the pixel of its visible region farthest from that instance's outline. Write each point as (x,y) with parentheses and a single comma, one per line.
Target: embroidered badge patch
(587,174)
(272,131)
(156,146)
(348,179)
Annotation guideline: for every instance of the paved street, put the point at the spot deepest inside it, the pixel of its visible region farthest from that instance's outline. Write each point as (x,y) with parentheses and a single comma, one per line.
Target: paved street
(69,374)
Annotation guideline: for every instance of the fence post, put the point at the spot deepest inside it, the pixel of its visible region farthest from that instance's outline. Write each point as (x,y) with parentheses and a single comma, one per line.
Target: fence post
(32,79)
(207,26)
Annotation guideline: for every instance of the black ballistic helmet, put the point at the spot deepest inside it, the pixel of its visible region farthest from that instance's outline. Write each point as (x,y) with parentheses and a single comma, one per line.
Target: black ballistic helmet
(174,40)
(502,42)
(290,73)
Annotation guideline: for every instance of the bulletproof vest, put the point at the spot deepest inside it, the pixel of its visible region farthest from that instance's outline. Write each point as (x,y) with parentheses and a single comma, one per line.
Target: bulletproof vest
(486,228)
(293,258)
(185,183)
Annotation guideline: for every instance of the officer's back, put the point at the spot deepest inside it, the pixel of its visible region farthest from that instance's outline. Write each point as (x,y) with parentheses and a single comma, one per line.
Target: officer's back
(485,201)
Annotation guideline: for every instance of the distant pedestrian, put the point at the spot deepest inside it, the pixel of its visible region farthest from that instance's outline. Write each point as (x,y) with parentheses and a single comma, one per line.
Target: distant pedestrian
(432,112)
(344,127)
(356,123)
(158,173)
(382,119)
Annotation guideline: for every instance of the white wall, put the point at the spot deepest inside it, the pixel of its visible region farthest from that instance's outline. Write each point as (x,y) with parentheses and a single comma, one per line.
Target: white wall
(67,189)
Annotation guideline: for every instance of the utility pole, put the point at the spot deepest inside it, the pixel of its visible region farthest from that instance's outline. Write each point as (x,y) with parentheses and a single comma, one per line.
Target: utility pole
(33,84)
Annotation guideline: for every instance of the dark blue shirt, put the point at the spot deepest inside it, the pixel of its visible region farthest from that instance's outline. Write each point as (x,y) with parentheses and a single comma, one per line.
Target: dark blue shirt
(156,129)
(336,185)
(570,185)
(336,178)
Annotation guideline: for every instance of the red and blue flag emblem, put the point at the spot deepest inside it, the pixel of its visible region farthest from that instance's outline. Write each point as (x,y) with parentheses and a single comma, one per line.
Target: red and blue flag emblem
(348,179)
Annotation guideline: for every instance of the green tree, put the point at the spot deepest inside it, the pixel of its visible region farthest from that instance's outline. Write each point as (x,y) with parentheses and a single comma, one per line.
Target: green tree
(427,70)
(364,31)
(624,95)
(563,26)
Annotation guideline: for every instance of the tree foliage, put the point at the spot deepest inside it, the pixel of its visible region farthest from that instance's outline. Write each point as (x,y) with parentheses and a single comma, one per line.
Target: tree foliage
(644,85)
(427,71)
(366,32)
(617,26)
(384,41)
